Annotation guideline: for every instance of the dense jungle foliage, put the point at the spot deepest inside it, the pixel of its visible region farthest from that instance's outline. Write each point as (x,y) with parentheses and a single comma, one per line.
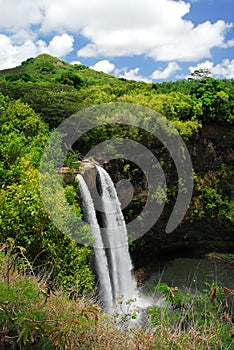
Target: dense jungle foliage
(22,213)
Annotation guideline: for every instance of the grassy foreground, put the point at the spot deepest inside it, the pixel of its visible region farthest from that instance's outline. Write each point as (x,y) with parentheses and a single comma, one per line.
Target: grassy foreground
(33,316)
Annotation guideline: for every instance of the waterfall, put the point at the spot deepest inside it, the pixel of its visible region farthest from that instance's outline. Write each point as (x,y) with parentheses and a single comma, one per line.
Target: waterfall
(111,242)
(115,238)
(99,251)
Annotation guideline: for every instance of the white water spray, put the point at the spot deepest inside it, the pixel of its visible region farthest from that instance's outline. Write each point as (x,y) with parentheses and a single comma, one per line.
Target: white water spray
(113,263)
(115,238)
(100,255)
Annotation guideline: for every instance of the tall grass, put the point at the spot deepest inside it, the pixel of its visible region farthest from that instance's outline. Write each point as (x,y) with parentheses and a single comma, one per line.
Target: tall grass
(34,317)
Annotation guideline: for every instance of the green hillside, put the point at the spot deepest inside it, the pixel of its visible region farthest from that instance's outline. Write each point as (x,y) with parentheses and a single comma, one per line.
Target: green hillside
(56,89)
(46,68)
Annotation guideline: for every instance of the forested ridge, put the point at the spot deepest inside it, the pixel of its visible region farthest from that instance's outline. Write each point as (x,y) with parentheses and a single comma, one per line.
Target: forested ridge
(39,94)
(56,89)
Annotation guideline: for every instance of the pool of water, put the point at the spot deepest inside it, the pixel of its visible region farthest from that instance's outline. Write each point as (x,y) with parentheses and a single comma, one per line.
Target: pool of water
(189,273)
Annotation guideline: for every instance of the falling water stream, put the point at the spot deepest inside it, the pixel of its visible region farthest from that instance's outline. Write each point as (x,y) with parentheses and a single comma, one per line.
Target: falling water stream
(113,262)
(115,238)
(100,254)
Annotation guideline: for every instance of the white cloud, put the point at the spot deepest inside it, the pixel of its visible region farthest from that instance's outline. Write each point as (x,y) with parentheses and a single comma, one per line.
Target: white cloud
(60,45)
(12,54)
(167,72)
(75,62)
(15,15)
(156,29)
(23,35)
(203,65)
(104,66)
(132,74)
(225,69)
(230,43)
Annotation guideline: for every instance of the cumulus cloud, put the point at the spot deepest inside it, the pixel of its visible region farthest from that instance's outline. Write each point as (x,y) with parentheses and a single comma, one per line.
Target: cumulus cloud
(203,65)
(75,62)
(17,15)
(225,69)
(132,74)
(60,45)
(156,29)
(104,66)
(167,72)
(230,43)
(12,54)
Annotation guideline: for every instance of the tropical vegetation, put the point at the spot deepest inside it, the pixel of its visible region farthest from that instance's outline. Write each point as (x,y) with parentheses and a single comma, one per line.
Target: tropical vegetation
(41,268)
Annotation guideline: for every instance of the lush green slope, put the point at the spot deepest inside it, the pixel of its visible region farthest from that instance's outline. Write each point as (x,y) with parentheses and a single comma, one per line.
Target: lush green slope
(56,89)
(46,68)
(23,217)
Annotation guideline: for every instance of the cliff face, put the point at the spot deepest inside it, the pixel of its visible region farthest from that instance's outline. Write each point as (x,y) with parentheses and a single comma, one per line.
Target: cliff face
(213,147)
(208,224)
(213,161)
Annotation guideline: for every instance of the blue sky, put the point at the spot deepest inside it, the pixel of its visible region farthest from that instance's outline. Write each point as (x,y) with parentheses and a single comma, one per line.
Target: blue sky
(149,40)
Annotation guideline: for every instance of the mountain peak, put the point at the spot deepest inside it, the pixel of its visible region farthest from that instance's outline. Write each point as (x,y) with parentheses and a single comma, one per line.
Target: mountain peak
(45,57)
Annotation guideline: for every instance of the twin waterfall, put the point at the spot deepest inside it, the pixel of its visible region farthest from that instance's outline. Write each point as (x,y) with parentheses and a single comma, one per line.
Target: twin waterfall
(112,259)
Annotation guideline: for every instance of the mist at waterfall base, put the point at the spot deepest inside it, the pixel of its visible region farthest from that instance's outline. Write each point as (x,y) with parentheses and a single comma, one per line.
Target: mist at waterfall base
(117,285)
